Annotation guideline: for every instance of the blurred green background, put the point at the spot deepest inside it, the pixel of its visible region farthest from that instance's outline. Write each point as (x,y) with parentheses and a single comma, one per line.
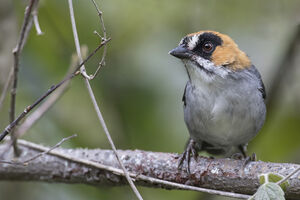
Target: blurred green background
(140,88)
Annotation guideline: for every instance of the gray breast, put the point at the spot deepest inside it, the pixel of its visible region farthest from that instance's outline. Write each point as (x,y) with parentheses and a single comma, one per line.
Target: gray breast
(225,112)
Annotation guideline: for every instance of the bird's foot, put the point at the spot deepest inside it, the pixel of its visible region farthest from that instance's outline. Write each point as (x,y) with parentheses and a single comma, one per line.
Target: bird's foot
(238,156)
(185,157)
(247,159)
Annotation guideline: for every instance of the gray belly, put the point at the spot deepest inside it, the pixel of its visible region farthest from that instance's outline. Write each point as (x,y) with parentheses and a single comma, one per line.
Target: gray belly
(223,117)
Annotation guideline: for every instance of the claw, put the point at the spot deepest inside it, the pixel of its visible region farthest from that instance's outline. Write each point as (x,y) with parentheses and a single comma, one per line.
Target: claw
(238,156)
(188,159)
(246,160)
(249,159)
(185,158)
(181,159)
(253,157)
(194,153)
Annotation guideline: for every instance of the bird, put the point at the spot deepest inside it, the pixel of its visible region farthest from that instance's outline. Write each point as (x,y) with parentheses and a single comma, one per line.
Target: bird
(224,97)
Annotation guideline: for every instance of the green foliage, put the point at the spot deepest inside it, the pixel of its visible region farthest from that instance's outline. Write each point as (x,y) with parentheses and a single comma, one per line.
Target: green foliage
(274,178)
(269,189)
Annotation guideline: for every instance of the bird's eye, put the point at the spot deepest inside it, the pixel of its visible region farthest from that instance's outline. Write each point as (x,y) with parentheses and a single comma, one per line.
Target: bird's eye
(207,47)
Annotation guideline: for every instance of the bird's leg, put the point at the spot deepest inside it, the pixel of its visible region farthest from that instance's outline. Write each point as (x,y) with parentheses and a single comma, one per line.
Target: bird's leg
(243,156)
(185,157)
(243,150)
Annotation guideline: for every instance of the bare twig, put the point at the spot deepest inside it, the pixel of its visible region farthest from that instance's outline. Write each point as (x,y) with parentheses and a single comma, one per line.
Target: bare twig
(50,149)
(10,162)
(45,106)
(17,53)
(36,20)
(151,169)
(96,107)
(102,62)
(39,154)
(288,176)
(82,69)
(6,86)
(193,188)
(49,102)
(28,28)
(8,128)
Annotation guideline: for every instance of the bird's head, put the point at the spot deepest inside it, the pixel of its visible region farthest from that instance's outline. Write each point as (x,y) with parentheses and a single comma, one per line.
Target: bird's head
(209,53)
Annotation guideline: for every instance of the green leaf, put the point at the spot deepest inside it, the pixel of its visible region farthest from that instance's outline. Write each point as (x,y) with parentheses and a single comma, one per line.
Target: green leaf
(262,179)
(273,178)
(269,191)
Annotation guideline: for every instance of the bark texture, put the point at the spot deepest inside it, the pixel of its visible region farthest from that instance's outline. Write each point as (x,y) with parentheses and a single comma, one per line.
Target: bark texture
(219,174)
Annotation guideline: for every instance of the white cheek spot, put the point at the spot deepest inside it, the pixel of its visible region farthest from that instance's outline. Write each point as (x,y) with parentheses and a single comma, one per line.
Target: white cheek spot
(193,42)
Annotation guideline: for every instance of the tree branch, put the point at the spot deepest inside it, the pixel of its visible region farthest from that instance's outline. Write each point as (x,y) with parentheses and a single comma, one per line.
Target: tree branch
(153,169)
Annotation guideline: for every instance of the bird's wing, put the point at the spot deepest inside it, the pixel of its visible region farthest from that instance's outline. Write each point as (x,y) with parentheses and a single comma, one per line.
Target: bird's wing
(263,90)
(183,97)
(262,86)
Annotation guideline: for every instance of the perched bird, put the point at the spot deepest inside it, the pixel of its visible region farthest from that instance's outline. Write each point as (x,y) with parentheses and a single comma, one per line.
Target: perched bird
(224,97)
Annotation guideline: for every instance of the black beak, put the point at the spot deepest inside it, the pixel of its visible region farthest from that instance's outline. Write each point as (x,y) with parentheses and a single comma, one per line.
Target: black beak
(181,52)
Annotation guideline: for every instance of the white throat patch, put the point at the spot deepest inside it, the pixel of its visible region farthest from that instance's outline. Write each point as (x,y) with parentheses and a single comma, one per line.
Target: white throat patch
(209,72)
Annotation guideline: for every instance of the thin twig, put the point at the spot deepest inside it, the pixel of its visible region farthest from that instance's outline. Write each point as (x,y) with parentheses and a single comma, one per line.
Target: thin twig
(97,109)
(17,53)
(44,107)
(82,69)
(288,176)
(102,62)
(8,128)
(118,171)
(49,102)
(50,149)
(39,154)
(36,20)
(6,86)
(28,28)
(193,188)
(10,162)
